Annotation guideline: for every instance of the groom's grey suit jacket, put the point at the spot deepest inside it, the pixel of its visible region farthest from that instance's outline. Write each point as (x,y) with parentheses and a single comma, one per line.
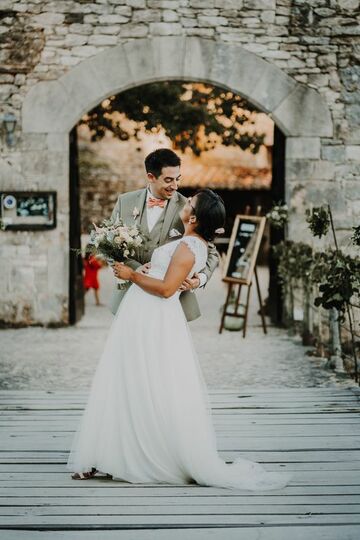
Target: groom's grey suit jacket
(158,236)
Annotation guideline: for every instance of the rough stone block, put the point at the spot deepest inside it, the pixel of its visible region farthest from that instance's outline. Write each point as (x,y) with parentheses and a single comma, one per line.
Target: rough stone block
(126,11)
(74,40)
(202,4)
(200,32)
(85,51)
(112,69)
(333,153)
(48,19)
(291,118)
(163,4)
(146,15)
(84,88)
(140,60)
(168,54)
(113,19)
(229,4)
(212,21)
(348,4)
(303,147)
(170,15)
(198,58)
(268,17)
(353,152)
(47,108)
(138,4)
(165,29)
(133,30)
(100,39)
(260,4)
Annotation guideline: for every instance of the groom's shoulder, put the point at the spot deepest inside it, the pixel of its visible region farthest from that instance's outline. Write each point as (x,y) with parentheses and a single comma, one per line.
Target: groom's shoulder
(181,199)
(130,194)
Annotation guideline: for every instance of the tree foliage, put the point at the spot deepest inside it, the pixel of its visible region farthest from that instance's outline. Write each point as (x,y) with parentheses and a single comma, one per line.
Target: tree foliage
(196,116)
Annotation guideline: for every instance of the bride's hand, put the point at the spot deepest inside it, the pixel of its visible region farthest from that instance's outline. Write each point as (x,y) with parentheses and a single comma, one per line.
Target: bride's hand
(122,271)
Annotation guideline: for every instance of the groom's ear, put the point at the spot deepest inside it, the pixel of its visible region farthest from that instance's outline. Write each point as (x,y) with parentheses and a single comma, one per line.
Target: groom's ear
(151,177)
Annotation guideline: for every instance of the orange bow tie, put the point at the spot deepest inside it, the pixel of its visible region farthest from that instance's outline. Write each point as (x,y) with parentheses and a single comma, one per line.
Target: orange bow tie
(151,202)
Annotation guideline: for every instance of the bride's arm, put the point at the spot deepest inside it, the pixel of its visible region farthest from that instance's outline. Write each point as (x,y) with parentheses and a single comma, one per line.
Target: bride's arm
(180,265)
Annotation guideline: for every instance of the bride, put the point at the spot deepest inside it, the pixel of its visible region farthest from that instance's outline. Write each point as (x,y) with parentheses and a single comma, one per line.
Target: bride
(148,417)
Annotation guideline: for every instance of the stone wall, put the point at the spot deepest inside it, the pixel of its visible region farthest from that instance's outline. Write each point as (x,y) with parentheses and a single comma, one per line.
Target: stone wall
(296,60)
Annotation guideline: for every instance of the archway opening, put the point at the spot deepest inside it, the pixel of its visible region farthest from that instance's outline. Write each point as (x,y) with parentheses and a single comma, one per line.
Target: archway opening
(239,153)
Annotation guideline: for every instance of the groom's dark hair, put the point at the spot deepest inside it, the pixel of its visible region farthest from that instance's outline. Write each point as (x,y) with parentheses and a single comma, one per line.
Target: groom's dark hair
(157,160)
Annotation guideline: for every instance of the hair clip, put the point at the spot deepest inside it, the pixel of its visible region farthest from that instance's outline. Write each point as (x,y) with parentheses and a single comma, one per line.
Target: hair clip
(220,231)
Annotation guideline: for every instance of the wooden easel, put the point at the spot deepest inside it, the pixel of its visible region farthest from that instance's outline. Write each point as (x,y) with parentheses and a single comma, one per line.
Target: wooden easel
(242,282)
(225,313)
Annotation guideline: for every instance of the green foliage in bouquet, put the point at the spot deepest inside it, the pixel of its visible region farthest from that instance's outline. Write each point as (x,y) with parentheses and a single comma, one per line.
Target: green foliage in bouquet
(356,236)
(319,220)
(114,240)
(340,283)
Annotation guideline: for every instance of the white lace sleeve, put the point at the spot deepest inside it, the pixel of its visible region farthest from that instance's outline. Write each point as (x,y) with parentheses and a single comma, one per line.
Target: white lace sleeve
(199,249)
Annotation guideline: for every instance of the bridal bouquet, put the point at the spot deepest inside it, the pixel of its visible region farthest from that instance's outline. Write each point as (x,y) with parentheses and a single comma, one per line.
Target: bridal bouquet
(115,242)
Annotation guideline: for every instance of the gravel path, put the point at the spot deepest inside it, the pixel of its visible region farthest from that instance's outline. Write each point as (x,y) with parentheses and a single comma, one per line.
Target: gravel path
(65,358)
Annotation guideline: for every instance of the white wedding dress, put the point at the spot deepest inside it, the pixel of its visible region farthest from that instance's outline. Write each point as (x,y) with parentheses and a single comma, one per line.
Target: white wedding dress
(148,416)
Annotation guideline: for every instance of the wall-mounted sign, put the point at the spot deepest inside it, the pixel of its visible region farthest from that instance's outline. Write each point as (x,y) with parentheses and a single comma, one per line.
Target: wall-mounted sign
(28,210)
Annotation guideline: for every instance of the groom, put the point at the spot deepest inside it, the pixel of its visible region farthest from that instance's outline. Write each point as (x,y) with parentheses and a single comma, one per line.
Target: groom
(156,209)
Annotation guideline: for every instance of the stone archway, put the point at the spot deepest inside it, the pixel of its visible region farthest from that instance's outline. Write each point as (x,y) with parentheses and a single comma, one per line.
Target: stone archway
(56,106)
(52,108)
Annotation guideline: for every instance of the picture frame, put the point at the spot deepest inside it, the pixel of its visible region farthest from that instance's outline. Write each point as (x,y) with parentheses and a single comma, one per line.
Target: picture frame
(28,210)
(243,249)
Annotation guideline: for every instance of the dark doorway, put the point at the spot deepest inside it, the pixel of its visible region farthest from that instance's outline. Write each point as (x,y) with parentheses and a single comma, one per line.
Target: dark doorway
(76,290)
(238,201)
(275,304)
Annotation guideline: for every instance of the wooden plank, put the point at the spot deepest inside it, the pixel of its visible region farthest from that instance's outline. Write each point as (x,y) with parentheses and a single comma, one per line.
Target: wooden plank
(338,532)
(310,532)
(133,521)
(318,478)
(340,430)
(206,500)
(33,470)
(304,456)
(241,444)
(178,509)
(98,489)
(314,434)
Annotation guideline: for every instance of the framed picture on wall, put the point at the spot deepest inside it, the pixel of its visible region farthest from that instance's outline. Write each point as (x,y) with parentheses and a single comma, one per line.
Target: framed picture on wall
(243,248)
(28,210)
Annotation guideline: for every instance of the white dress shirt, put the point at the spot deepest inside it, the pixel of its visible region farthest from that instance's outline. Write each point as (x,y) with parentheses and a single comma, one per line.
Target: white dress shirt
(154,213)
(152,216)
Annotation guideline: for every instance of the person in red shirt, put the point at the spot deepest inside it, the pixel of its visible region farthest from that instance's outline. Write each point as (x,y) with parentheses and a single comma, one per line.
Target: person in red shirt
(91,269)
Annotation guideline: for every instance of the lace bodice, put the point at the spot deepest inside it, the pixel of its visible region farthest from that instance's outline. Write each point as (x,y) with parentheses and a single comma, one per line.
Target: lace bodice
(161,256)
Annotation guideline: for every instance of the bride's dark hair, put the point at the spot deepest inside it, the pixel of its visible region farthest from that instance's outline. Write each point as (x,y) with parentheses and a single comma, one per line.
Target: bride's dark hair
(209,212)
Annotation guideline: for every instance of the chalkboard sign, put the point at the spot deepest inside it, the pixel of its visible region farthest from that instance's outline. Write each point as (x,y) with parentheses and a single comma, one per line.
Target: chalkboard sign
(243,248)
(28,210)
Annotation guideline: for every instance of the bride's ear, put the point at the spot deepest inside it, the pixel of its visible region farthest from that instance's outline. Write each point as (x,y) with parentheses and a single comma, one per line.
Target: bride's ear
(192,219)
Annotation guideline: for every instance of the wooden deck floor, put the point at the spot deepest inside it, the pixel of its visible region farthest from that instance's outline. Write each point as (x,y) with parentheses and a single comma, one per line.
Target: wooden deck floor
(314,433)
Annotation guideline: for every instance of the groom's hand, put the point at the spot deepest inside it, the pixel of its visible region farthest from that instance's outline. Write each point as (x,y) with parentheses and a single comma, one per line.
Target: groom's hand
(190,283)
(144,269)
